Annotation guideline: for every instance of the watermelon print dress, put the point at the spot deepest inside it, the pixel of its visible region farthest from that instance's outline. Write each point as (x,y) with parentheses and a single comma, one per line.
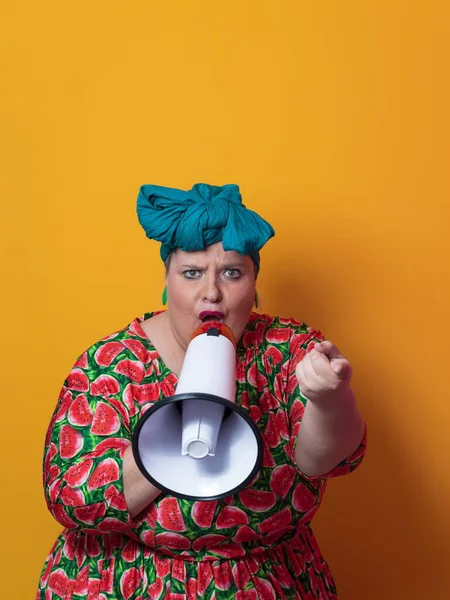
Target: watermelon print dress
(254,545)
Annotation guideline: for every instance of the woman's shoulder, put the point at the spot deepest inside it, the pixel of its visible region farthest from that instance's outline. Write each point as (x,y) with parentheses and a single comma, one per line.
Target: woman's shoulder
(278,330)
(128,343)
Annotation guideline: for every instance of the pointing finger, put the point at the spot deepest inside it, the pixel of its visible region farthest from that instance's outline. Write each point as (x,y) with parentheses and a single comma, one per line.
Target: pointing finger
(329,349)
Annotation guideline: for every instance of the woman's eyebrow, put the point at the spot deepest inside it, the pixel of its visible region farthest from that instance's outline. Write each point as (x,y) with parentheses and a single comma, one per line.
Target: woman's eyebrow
(226,266)
(233,265)
(192,267)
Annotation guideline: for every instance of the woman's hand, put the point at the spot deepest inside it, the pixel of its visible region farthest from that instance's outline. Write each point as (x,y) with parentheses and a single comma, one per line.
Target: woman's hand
(332,427)
(324,374)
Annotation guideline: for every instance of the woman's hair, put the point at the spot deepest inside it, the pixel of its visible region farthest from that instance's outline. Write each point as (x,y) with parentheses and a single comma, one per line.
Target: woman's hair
(169,258)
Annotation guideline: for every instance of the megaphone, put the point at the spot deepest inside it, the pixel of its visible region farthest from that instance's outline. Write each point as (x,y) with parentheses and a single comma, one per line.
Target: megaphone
(198,444)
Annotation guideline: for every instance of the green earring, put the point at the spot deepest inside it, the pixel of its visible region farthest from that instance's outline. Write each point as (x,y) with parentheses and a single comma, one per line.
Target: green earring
(256,299)
(164,296)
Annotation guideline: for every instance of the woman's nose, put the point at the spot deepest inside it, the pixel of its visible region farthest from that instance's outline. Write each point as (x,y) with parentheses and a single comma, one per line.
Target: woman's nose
(211,290)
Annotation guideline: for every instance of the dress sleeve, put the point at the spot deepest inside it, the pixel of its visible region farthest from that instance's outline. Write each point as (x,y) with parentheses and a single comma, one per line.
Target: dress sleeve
(83,461)
(300,345)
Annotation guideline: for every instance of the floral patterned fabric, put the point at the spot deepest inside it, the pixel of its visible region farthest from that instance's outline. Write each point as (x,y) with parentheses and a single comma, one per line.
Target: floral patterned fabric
(256,544)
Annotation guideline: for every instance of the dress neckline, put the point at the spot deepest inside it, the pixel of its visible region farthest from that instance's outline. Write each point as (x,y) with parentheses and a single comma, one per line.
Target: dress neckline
(135,327)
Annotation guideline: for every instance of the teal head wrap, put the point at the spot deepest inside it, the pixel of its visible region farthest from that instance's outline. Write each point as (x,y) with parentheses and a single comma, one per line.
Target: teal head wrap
(202,216)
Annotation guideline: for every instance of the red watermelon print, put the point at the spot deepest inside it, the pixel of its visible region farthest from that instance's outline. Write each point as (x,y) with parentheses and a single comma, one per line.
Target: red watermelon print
(230,550)
(292,384)
(268,459)
(77,474)
(105,385)
(283,424)
(179,570)
(296,412)
(132,369)
(169,515)
(203,512)
(271,433)
(255,413)
(250,594)
(106,353)
(264,588)
(302,498)
(130,551)
(58,582)
(168,385)
(231,516)
(80,587)
(115,499)
(50,453)
(47,571)
(70,442)
(106,420)
(276,521)
(257,500)
(155,589)
(241,371)
(53,473)
(71,497)
(162,565)
(138,349)
(173,540)
(227,548)
(78,381)
(241,574)
(278,335)
(268,401)
(60,514)
(223,576)
(282,479)
(120,408)
(53,490)
(80,413)
(92,546)
(104,473)
(205,576)
(70,545)
(245,534)
(256,378)
(208,541)
(82,362)
(272,357)
(65,400)
(129,582)
(112,442)
(148,538)
(142,394)
(90,514)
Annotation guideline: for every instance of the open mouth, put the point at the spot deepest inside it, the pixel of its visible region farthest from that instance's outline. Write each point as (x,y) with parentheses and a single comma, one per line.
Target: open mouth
(207,316)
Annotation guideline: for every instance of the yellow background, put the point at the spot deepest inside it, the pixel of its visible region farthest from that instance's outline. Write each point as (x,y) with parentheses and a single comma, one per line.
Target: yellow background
(333,119)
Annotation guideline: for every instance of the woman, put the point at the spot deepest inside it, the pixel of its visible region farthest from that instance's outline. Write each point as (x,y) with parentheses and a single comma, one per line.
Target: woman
(123,538)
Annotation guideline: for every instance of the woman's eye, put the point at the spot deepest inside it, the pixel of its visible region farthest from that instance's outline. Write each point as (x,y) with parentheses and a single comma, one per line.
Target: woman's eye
(191,273)
(233,273)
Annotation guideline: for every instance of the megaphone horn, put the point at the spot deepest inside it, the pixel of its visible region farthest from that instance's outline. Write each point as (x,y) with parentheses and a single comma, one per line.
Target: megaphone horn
(198,444)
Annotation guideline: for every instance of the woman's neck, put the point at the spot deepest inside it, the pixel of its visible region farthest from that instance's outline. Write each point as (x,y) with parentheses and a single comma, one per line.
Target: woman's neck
(158,330)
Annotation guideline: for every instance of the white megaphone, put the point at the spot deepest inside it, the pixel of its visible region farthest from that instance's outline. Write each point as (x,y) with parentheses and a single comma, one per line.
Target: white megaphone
(198,444)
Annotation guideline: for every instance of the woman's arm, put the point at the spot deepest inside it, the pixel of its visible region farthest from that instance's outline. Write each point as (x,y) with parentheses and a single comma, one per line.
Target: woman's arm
(329,433)
(332,427)
(138,491)
(90,477)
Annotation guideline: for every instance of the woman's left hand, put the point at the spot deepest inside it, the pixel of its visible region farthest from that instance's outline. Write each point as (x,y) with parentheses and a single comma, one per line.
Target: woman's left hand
(323,374)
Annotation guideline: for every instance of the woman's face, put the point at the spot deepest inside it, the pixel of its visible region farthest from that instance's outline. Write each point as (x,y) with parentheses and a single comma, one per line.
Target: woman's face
(210,280)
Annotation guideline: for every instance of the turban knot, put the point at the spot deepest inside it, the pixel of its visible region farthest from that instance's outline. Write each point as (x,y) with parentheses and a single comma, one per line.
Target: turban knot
(204,215)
